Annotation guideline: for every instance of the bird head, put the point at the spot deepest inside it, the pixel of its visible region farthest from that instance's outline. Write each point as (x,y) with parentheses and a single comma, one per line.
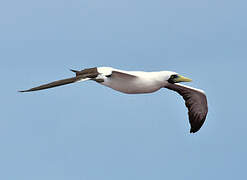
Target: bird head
(173,77)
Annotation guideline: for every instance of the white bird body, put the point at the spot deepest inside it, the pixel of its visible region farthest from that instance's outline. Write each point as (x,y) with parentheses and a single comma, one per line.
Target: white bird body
(137,82)
(141,82)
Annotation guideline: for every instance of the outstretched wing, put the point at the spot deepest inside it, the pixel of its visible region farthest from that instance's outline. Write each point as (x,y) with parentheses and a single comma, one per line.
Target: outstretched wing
(82,75)
(195,101)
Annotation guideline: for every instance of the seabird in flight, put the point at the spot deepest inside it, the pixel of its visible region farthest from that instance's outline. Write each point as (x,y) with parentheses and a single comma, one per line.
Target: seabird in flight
(138,82)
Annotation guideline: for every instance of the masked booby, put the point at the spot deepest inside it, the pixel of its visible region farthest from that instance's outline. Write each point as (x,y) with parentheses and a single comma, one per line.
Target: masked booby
(137,82)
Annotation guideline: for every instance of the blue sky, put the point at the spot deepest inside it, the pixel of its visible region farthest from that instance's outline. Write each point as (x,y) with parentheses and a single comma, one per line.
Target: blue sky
(89,132)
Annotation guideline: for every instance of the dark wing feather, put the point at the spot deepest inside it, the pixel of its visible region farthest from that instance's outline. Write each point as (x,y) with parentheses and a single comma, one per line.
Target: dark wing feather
(53,84)
(80,75)
(122,75)
(196,102)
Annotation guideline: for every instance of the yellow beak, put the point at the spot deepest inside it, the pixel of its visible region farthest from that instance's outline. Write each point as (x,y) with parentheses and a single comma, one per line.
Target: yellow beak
(182,79)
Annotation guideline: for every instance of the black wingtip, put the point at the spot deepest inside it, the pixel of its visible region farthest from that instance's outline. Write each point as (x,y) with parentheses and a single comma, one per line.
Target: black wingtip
(192,131)
(196,127)
(22,91)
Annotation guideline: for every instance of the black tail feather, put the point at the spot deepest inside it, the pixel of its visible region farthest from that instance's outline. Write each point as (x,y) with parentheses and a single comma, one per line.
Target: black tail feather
(75,71)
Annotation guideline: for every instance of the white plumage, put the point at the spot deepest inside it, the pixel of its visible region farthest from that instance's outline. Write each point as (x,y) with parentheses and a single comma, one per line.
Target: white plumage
(137,82)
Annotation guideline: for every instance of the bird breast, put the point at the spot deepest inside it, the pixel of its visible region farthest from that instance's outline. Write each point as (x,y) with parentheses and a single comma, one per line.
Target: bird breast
(138,85)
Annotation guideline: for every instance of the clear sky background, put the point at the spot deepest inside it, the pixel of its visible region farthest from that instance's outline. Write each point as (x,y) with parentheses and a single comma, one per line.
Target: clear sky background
(90,132)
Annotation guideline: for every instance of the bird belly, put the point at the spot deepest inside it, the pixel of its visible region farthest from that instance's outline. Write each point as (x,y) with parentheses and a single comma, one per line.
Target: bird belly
(136,86)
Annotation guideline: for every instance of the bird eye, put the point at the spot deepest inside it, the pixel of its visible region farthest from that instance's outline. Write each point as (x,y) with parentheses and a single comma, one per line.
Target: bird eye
(174,76)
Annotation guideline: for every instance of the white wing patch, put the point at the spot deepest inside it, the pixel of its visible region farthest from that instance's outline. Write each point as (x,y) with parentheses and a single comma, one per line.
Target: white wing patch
(106,71)
(85,79)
